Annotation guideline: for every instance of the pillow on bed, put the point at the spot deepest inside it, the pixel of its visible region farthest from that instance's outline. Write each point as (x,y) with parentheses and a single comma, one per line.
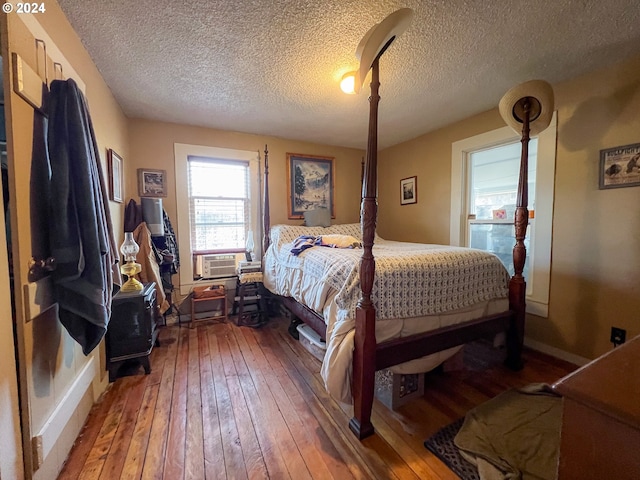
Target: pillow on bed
(341,241)
(320,217)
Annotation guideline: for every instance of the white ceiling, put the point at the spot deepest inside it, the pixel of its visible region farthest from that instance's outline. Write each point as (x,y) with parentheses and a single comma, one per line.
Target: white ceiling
(272,67)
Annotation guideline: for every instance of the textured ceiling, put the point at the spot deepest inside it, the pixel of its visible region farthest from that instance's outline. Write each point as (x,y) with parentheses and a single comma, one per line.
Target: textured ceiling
(272,67)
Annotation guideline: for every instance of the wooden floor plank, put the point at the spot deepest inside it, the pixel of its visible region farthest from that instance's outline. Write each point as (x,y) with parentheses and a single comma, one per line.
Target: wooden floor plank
(233,402)
(175,451)
(251,452)
(134,461)
(330,435)
(87,438)
(99,454)
(154,459)
(213,452)
(279,385)
(194,444)
(301,360)
(233,458)
(265,418)
(313,430)
(117,454)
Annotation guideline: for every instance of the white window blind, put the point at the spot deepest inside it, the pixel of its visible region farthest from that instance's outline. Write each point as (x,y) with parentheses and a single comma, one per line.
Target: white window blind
(219,204)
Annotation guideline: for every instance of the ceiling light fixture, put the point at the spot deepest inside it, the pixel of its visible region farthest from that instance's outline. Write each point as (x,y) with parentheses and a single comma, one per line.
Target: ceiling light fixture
(348,82)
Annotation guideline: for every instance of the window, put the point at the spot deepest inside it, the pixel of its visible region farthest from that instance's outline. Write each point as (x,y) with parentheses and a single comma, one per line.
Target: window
(218,203)
(484,180)
(492,186)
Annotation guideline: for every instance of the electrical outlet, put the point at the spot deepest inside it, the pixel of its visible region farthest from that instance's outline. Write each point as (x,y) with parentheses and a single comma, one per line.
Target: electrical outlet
(618,336)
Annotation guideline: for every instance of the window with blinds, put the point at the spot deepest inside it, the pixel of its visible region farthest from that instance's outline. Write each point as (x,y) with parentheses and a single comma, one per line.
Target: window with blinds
(219,204)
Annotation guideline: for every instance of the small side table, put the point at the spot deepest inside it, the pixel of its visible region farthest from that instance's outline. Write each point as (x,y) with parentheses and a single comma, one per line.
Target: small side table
(213,294)
(132,332)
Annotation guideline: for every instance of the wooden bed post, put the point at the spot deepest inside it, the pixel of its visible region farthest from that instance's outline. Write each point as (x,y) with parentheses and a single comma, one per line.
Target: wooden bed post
(364,354)
(517,283)
(266,219)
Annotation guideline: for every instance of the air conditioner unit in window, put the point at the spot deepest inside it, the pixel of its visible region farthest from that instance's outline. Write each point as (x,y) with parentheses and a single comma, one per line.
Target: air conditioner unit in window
(216,265)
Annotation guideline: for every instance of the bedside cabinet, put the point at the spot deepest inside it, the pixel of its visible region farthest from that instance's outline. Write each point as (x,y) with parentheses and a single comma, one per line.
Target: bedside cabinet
(132,332)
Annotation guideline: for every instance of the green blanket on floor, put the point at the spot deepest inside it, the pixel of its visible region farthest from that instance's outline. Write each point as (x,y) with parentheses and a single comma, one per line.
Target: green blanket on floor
(515,435)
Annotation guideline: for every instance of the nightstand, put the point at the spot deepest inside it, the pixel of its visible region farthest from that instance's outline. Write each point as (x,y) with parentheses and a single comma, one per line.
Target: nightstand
(132,332)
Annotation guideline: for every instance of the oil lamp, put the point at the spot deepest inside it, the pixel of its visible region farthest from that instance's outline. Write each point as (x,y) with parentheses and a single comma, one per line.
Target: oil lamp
(130,267)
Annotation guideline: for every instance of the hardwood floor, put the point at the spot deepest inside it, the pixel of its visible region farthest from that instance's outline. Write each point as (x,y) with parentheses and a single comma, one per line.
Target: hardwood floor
(234,402)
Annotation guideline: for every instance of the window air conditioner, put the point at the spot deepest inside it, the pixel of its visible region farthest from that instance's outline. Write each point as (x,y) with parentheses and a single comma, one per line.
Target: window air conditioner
(215,266)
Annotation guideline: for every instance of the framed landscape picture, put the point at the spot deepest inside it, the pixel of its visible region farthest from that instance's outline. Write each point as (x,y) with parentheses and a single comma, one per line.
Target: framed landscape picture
(310,184)
(152,183)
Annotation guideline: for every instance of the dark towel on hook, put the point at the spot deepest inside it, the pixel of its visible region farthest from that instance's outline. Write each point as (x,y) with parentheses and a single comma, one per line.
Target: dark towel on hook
(81,233)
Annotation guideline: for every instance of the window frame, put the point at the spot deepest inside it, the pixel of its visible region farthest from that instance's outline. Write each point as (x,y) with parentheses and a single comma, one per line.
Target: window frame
(182,152)
(538,299)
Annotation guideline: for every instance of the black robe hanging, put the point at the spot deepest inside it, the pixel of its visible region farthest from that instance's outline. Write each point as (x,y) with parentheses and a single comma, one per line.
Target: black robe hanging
(80,230)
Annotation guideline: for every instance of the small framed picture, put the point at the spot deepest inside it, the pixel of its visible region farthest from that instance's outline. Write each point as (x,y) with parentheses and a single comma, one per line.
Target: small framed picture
(152,183)
(115,176)
(408,190)
(620,166)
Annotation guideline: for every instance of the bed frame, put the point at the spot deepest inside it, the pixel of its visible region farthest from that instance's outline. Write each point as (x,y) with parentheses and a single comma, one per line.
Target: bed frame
(368,355)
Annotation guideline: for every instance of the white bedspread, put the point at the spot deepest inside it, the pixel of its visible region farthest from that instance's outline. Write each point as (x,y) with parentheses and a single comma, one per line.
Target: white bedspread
(428,286)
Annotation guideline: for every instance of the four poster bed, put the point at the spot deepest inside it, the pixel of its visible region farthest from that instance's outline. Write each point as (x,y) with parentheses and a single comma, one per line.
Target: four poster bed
(309,285)
(468,284)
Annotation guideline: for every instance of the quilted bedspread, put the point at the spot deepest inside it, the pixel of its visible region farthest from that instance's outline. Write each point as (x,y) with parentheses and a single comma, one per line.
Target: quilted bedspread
(411,280)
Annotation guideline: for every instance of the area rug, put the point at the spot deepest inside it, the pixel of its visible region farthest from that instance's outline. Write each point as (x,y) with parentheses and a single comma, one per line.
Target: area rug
(442,446)
(513,435)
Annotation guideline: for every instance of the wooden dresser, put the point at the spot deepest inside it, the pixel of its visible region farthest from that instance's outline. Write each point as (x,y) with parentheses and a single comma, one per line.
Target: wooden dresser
(601,417)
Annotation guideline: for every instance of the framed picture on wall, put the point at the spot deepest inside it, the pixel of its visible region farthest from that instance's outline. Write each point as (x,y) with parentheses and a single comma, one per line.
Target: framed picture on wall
(408,190)
(310,183)
(115,176)
(152,183)
(620,166)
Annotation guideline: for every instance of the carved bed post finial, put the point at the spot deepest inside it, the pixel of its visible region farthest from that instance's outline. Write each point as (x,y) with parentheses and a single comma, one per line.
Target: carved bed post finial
(522,201)
(517,283)
(266,219)
(364,357)
(528,109)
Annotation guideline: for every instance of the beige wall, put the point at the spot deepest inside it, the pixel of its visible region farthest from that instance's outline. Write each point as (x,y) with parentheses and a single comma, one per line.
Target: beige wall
(596,233)
(152,147)
(429,158)
(58,383)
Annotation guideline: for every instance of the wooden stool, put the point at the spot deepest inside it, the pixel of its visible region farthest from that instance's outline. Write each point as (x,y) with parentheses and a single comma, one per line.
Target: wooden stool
(247,301)
(213,293)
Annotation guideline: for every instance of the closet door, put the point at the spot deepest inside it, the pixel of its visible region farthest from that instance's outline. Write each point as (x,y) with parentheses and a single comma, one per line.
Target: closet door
(10,443)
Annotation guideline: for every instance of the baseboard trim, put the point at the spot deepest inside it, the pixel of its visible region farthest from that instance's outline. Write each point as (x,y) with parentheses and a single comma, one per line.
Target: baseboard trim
(64,411)
(556,352)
